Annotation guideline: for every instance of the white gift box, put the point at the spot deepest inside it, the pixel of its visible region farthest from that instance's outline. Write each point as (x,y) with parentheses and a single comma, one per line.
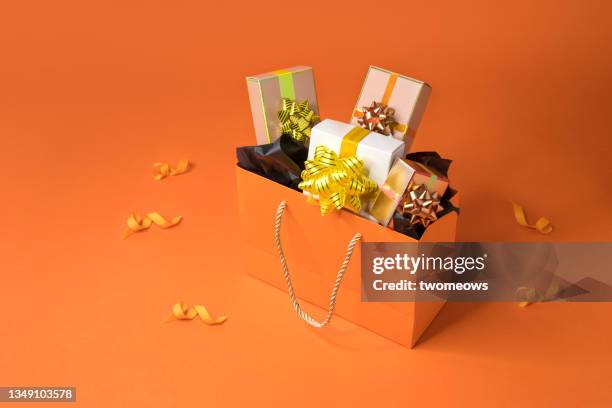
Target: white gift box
(377,151)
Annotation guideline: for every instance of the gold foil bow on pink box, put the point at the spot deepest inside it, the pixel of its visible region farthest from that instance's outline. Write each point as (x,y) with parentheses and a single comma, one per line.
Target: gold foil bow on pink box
(406,97)
(377,117)
(402,174)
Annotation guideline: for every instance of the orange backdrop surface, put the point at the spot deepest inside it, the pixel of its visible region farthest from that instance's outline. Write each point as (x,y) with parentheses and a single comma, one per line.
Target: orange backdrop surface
(93,93)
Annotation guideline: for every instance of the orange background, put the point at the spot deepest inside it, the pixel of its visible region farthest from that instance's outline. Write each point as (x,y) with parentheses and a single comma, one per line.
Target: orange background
(92,93)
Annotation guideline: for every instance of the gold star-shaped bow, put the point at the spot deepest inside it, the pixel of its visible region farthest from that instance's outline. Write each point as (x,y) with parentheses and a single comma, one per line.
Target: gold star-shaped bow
(420,205)
(297,119)
(377,117)
(339,182)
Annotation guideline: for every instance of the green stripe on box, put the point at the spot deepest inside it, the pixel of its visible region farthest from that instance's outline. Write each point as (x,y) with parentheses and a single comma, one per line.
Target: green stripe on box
(431,182)
(285,81)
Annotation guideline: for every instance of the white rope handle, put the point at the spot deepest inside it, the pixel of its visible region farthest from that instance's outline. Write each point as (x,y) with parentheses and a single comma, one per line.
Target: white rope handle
(332,298)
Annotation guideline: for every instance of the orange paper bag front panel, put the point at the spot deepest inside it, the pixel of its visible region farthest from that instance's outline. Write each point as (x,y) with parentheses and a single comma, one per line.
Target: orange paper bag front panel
(315,247)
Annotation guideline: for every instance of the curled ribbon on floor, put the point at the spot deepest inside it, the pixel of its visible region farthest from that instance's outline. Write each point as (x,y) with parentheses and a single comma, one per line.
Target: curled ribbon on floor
(530,295)
(163,170)
(542,225)
(182,311)
(137,223)
(296,119)
(339,182)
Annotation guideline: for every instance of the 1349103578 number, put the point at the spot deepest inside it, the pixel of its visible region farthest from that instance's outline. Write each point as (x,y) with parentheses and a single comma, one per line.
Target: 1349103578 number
(16,394)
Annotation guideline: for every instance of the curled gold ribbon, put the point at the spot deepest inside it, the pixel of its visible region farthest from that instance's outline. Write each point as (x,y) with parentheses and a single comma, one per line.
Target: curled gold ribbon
(530,295)
(137,223)
(297,119)
(339,182)
(182,311)
(163,170)
(543,225)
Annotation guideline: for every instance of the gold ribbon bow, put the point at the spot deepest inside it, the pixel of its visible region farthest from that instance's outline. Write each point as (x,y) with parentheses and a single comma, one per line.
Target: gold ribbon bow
(182,311)
(420,205)
(377,117)
(339,182)
(542,225)
(163,170)
(137,223)
(296,119)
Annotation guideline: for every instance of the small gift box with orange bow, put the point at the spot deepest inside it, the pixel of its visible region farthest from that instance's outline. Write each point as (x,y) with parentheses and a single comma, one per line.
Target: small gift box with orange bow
(392,104)
(406,179)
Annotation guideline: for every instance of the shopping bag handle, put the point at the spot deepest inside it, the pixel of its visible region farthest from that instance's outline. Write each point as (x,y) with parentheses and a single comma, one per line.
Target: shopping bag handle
(332,297)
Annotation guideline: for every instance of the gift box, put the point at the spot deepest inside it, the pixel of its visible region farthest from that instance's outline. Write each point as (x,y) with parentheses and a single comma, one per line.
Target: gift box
(435,181)
(376,151)
(314,246)
(403,173)
(268,91)
(407,98)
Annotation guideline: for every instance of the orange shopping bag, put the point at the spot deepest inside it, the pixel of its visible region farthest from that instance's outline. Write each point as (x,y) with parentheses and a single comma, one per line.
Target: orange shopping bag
(315,247)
